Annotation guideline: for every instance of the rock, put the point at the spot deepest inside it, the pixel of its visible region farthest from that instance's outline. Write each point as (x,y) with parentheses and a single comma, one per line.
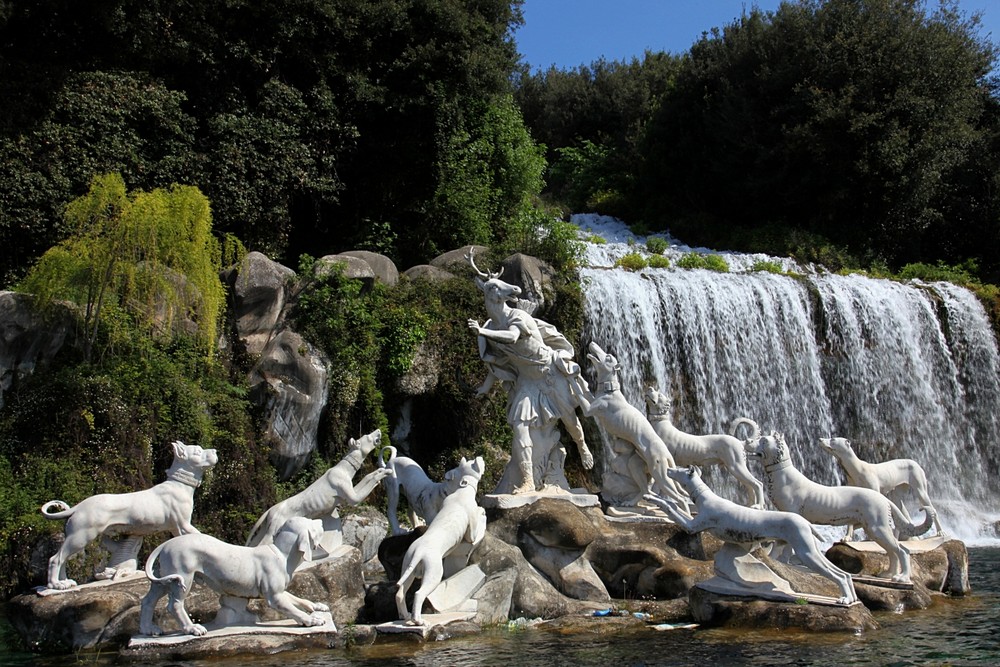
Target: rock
(290,382)
(427,272)
(260,290)
(938,566)
(364,528)
(494,597)
(27,339)
(729,611)
(456,258)
(424,373)
(384,268)
(532,275)
(353,267)
(957,579)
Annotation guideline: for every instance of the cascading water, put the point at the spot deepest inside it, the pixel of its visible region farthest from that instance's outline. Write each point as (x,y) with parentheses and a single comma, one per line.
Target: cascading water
(904,370)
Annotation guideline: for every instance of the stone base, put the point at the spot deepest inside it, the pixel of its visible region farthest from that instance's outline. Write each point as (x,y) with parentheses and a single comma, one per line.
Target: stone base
(579,497)
(44,591)
(734,611)
(265,637)
(641,513)
(430,622)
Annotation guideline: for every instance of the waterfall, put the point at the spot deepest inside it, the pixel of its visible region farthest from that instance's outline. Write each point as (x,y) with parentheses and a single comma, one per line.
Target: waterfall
(903,370)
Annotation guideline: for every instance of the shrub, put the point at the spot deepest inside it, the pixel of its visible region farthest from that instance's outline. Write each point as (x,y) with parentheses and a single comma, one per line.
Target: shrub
(766,266)
(659,262)
(695,260)
(656,245)
(632,262)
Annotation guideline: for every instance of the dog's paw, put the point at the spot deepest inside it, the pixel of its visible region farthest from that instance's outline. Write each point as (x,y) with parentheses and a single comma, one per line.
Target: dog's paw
(415,622)
(319,606)
(150,630)
(380,473)
(62,584)
(196,629)
(587,457)
(315,620)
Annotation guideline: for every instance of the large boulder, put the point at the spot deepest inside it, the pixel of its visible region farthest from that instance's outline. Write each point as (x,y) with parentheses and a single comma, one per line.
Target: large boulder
(427,272)
(384,268)
(290,382)
(352,267)
(455,260)
(532,275)
(715,609)
(27,338)
(260,290)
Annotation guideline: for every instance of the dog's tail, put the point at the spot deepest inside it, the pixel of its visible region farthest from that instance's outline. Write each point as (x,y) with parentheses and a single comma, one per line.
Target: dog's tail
(386,456)
(908,529)
(168,579)
(734,427)
(63,511)
(258,532)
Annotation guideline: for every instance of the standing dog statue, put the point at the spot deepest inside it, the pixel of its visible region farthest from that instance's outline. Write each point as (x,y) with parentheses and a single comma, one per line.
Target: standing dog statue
(620,419)
(703,450)
(236,573)
(423,495)
(320,498)
(746,526)
(460,521)
(165,507)
(791,491)
(890,478)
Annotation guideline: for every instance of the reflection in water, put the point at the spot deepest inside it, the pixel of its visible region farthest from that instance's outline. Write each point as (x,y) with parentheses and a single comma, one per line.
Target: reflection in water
(952,632)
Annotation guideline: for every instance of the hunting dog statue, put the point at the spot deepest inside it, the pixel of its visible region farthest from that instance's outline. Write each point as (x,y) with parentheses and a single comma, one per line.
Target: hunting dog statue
(703,450)
(318,500)
(236,573)
(621,420)
(165,507)
(791,491)
(423,495)
(890,478)
(745,526)
(460,521)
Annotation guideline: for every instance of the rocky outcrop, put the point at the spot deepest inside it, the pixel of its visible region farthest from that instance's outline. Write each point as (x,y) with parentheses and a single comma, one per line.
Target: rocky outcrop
(352,267)
(427,272)
(384,268)
(27,338)
(290,382)
(260,289)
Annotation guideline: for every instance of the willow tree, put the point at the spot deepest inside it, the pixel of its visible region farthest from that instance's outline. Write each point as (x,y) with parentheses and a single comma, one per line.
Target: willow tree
(147,256)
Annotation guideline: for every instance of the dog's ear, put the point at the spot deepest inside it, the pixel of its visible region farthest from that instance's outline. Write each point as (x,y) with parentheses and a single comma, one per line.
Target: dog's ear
(479,465)
(450,475)
(180,449)
(304,544)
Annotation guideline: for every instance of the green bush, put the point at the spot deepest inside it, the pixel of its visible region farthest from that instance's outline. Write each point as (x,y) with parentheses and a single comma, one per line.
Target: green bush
(766,266)
(632,262)
(659,262)
(696,260)
(656,245)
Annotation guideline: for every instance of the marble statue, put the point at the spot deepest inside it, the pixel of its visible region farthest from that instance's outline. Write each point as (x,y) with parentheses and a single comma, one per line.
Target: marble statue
(237,573)
(890,478)
(460,523)
(745,527)
(623,421)
(423,495)
(534,363)
(703,450)
(165,507)
(320,499)
(792,491)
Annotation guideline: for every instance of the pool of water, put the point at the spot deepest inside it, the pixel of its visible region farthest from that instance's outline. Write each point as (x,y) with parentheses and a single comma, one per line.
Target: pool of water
(962,631)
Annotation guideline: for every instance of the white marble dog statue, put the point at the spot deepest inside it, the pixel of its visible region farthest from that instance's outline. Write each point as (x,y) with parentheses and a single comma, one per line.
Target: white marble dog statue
(746,526)
(460,521)
(423,495)
(791,491)
(319,499)
(236,573)
(165,507)
(890,478)
(620,419)
(703,450)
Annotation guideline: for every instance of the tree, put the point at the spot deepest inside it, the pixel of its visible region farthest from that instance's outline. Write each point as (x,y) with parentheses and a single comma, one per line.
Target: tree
(849,119)
(150,256)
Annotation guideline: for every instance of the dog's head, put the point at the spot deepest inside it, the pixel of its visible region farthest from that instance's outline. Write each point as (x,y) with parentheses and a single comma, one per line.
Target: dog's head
(839,447)
(657,403)
(688,478)
(770,448)
(366,443)
(605,364)
(300,536)
(193,456)
(466,473)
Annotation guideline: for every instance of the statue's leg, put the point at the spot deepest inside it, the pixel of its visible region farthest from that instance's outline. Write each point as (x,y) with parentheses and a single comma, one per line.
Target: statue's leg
(521,453)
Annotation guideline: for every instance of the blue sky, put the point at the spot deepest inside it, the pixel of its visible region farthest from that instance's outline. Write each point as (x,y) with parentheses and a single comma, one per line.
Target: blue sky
(568,33)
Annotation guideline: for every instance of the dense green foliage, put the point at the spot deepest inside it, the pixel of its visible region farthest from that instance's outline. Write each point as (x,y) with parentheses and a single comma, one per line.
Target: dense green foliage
(382,124)
(148,256)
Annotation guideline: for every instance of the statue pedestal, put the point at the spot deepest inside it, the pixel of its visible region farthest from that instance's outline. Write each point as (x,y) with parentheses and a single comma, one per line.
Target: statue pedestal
(579,497)
(265,637)
(431,622)
(641,513)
